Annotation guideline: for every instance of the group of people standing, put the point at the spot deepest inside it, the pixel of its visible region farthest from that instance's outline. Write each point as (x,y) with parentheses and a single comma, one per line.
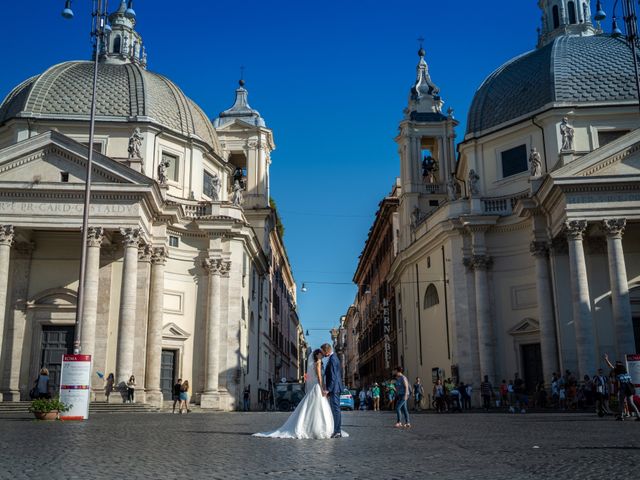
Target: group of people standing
(128,390)
(386,393)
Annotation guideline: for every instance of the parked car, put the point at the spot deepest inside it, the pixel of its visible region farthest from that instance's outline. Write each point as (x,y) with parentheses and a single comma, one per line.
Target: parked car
(346,400)
(288,396)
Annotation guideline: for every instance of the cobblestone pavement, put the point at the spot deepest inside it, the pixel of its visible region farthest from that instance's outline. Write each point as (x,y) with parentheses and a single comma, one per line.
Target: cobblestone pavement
(219,446)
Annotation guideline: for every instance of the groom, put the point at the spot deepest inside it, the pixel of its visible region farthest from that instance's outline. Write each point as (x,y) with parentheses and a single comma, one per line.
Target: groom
(333,386)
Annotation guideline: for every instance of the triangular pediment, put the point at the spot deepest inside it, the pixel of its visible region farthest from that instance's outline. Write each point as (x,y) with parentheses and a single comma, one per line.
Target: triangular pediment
(528,325)
(618,158)
(173,331)
(46,157)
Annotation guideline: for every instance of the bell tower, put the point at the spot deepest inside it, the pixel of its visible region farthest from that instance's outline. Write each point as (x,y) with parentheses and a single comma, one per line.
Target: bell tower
(566,17)
(426,145)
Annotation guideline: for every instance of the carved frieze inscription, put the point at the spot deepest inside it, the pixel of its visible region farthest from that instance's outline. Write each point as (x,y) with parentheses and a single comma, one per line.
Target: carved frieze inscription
(33,208)
(604,198)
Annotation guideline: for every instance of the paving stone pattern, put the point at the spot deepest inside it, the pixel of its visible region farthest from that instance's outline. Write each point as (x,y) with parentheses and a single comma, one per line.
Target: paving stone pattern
(219,446)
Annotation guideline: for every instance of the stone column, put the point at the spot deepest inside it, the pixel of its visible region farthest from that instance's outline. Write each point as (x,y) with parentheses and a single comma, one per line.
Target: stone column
(6,240)
(486,343)
(210,396)
(548,338)
(154,329)
(90,310)
(127,315)
(582,319)
(620,303)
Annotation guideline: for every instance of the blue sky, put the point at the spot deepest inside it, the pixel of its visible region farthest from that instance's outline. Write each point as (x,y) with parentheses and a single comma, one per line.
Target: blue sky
(331,79)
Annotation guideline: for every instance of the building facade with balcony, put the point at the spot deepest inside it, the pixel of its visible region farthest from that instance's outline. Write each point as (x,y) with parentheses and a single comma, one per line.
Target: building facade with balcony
(372,318)
(523,254)
(179,250)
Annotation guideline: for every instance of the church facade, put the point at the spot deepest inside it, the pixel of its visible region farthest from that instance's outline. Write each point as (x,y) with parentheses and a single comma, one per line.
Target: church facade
(520,246)
(180,245)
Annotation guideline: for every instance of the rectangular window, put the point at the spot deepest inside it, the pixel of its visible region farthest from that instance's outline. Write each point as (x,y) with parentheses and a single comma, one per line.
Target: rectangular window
(206,184)
(64,177)
(608,136)
(172,163)
(514,161)
(174,241)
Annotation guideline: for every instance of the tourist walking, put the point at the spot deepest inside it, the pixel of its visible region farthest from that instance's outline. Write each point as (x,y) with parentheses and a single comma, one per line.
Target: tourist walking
(504,394)
(131,388)
(108,387)
(467,398)
(177,388)
(403,391)
(391,392)
(438,395)
(418,394)
(375,393)
(246,398)
(363,399)
(42,384)
(520,393)
(601,384)
(626,389)
(555,390)
(485,393)
(184,396)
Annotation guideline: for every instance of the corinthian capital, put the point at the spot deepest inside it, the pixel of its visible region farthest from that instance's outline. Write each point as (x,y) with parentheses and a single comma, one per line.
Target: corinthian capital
(213,266)
(6,234)
(226,268)
(539,249)
(95,236)
(144,252)
(481,262)
(575,229)
(159,256)
(614,227)
(130,237)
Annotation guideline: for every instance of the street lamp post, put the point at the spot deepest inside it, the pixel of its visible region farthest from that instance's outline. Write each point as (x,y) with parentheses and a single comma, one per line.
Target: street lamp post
(100,30)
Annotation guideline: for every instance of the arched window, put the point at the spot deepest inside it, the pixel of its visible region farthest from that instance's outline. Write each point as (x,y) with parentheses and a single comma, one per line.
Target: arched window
(572,13)
(556,17)
(431,296)
(116,44)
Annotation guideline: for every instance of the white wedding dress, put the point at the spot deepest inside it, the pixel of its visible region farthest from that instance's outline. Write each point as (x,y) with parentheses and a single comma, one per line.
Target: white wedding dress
(312,417)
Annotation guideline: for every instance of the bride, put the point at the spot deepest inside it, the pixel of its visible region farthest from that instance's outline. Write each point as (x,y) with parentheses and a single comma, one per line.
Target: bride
(312,417)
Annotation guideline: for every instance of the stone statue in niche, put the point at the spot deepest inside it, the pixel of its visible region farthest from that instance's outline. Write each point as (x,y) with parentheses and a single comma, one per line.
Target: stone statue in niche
(452,189)
(135,144)
(216,185)
(162,172)
(474,178)
(236,195)
(567,132)
(535,161)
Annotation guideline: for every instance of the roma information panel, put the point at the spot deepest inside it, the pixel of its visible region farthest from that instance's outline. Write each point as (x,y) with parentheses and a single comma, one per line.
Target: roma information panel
(75,379)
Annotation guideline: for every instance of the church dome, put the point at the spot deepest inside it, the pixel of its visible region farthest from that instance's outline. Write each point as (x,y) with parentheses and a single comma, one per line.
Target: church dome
(569,70)
(127,92)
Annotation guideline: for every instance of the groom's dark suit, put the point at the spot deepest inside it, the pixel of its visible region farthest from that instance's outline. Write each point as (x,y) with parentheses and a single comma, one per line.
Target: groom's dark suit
(333,384)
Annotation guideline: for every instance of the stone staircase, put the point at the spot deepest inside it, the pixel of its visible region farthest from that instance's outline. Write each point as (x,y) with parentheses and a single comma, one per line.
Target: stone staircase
(16,408)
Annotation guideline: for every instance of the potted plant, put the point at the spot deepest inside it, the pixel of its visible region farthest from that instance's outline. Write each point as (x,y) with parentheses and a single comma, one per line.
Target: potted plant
(48,408)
